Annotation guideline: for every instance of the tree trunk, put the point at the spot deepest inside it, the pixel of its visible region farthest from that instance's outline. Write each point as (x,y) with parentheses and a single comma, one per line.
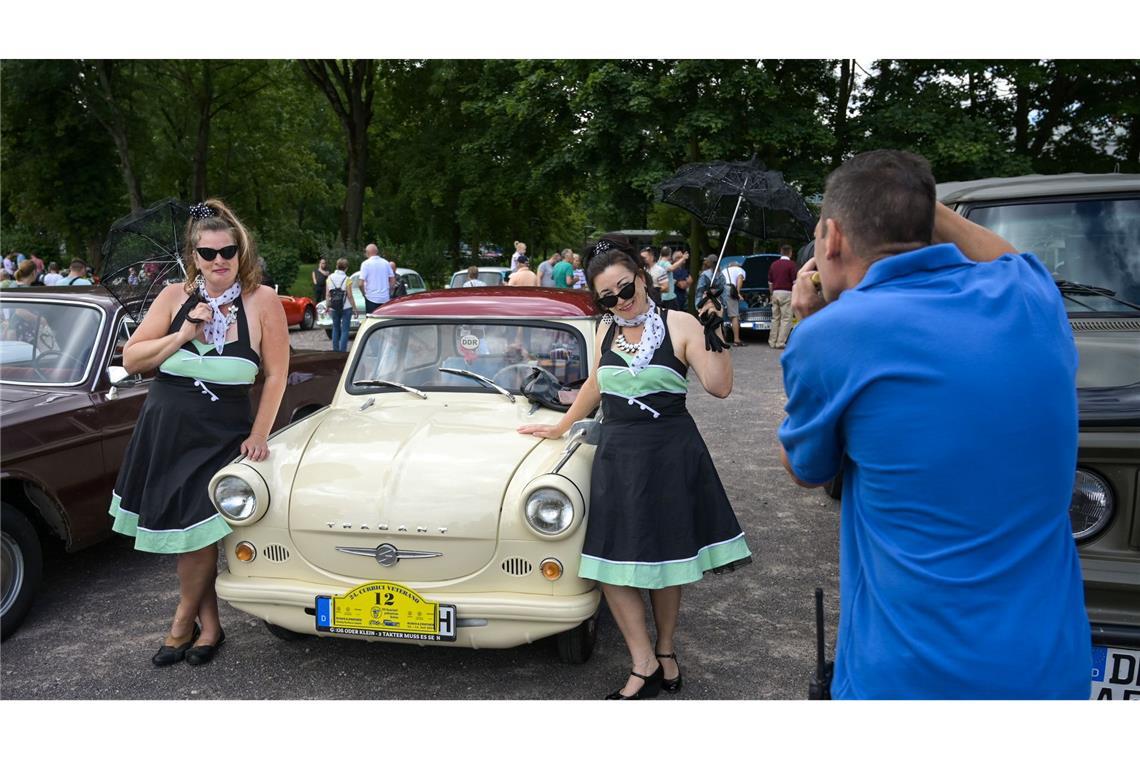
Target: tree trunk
(842,101)
(202,144)
(111,116)
(349,87)
(1021,118)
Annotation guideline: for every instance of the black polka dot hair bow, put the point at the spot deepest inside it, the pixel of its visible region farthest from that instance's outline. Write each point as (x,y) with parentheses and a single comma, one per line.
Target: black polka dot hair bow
(201,211)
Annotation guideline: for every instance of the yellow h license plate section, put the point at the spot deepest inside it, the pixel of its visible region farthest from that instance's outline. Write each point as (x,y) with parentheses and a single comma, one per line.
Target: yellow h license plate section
(384,609)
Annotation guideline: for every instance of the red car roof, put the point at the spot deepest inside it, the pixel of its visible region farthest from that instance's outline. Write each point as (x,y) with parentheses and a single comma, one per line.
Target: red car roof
(493,301)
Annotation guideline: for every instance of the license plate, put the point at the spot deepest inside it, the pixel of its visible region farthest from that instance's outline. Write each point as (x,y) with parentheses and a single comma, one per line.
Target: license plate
(1115,673)
(386,610)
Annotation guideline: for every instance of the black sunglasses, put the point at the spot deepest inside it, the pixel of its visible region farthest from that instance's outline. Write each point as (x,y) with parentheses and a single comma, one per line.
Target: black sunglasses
(610,301)
(209,254)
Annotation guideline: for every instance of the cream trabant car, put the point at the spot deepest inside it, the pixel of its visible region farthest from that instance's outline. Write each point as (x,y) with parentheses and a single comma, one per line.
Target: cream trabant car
(410,509)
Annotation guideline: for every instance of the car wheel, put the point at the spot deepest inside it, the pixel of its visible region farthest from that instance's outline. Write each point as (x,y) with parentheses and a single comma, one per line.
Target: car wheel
(576,645)
(309,318)
(284,633)
(22,566)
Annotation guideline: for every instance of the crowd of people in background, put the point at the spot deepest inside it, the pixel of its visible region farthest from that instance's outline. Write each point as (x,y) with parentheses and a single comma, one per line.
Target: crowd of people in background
(22,271)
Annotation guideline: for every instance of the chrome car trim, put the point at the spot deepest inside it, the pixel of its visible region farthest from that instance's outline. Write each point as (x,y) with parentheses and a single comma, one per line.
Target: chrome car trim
(387,555)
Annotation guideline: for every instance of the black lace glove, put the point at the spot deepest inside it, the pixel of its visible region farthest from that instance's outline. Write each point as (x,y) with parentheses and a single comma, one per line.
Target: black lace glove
(712,321)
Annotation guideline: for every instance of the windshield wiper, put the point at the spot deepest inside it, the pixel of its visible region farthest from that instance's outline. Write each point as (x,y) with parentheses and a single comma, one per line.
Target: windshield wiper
(480,378)
(1067,288)
(388,384)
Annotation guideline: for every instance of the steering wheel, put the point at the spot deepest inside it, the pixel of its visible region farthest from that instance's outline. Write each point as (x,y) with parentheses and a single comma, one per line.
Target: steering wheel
(40,357)
(519,368)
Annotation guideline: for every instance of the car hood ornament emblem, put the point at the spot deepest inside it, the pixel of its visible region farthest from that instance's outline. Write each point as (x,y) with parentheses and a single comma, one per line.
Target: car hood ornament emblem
(387,555)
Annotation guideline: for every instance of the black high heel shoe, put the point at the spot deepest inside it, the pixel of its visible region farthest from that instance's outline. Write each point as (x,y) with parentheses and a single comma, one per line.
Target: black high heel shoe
(671,685)
(202,654)
(170,655)
(650,689)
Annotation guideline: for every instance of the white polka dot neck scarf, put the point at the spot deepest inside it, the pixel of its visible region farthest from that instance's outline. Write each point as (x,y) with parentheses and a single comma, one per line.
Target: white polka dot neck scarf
(216,329)
(651,339)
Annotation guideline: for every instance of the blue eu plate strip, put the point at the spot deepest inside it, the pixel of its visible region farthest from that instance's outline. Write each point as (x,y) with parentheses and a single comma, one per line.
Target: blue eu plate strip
(1099,660)
(324,616)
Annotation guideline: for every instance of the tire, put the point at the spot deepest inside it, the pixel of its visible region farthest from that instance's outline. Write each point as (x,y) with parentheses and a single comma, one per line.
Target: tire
(284,633)
(309,319)
(576,645)
(23,562)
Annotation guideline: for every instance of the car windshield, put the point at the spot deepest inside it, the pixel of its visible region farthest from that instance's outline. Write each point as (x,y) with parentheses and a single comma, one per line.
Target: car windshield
(506,353)
(1093,242)
(488,278)
(46,343)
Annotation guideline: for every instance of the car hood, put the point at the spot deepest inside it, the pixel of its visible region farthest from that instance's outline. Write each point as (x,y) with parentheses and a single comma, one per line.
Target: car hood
(423,477)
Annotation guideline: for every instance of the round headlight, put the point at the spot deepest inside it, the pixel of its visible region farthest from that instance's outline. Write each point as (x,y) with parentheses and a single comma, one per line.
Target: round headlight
(549,511)
(1091,508)
(321,309)
(235,497)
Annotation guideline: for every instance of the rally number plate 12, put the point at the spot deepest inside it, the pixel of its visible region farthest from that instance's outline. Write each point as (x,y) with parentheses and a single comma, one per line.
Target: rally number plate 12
(385,610)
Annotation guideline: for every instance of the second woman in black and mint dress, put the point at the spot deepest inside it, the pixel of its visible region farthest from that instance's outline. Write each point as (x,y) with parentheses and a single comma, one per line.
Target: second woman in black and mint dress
(659,516)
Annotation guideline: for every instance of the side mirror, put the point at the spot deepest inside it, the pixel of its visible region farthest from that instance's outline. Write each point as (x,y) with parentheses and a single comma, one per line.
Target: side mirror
(591,428)
(582,431)
(120,378)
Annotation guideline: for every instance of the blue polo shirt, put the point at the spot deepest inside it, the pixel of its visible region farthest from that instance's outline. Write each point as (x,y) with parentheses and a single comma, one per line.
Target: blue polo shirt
(946,392)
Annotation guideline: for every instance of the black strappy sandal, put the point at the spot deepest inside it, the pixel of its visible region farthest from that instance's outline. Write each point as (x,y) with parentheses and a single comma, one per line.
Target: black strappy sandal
(671,685)
(650,689)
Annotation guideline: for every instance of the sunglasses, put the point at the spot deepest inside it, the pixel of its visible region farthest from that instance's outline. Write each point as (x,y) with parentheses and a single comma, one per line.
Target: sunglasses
(209,254)
(610,301)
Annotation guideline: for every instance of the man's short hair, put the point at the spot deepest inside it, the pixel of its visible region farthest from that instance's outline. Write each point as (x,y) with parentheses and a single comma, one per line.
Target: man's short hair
(786,250)
(77,265)
(880,198)
(666,252)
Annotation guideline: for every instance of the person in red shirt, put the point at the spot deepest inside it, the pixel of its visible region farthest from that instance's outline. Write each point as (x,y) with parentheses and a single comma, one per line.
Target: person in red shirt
(781,277)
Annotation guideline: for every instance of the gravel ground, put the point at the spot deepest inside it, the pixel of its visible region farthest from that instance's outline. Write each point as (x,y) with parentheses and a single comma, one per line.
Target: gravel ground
(746,635)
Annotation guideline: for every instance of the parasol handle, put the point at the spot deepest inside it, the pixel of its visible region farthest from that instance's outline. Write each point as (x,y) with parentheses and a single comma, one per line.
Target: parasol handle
(728,232)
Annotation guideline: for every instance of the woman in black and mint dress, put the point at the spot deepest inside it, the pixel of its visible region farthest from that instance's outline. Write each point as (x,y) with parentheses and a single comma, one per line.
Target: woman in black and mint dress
(208,338)
(659,516)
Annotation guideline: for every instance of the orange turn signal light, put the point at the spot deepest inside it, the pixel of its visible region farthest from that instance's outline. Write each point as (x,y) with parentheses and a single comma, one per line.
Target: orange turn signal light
(245,551)
(551,569)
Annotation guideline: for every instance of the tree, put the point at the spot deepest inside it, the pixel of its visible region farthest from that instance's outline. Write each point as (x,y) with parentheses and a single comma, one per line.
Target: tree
(106,88)
(349,87)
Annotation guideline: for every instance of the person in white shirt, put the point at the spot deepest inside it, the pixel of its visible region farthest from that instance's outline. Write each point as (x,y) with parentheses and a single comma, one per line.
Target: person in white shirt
(520,253)
(473,280)
(735,277)
(376,279)
(53,276)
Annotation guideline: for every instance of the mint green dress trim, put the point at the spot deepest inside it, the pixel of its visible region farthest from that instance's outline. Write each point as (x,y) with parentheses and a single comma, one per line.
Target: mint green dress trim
(224,370)
(663,574)
(652,379)
(209,531)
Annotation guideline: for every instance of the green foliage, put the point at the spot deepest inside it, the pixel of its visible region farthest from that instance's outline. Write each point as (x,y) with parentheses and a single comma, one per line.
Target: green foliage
(281,262)
(466,154)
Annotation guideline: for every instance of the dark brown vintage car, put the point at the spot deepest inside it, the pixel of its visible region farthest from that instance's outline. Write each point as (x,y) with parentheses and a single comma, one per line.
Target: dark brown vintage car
(67,410)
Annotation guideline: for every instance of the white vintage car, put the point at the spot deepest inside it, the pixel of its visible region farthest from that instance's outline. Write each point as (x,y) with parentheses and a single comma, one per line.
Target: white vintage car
(410,509)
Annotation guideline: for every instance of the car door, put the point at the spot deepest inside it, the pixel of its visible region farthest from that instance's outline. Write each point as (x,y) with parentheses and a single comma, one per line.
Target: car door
(118,408)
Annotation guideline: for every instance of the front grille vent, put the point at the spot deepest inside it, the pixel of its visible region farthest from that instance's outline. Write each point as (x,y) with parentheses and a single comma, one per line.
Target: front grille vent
(276,553)
(1105,325)
(516,566)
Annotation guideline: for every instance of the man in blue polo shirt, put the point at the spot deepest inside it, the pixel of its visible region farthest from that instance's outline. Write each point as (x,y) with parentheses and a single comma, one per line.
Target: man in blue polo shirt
(937,371)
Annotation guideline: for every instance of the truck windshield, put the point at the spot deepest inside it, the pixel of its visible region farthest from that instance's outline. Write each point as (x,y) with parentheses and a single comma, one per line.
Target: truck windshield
(1093,242)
